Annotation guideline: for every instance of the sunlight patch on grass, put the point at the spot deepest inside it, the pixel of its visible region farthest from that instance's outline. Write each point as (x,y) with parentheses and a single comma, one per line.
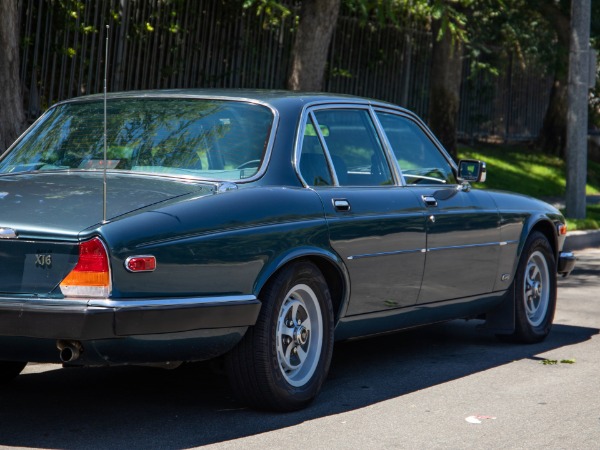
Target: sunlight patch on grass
(521,170)
(591,222)
(528,171)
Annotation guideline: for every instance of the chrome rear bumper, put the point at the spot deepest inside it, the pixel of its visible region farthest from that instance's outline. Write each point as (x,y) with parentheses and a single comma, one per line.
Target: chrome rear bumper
(83,319)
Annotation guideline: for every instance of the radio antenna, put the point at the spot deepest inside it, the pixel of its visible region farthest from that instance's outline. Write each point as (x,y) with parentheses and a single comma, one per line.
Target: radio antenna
(105,162)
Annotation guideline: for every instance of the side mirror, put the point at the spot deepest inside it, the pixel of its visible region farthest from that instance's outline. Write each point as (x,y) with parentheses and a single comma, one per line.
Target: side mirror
(471,170)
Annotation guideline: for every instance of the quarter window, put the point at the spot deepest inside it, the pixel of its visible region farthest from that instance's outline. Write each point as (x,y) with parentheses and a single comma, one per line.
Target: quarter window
(313,164)
(419,159)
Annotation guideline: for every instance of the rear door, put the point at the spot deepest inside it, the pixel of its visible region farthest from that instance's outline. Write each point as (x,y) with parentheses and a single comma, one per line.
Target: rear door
(463,235)
(376,226)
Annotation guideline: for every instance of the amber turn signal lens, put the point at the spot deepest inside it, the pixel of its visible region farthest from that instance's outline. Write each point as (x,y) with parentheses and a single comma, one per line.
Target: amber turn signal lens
(562,229)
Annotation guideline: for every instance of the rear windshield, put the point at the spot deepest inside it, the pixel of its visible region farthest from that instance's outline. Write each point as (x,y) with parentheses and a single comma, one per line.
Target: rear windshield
(210,139)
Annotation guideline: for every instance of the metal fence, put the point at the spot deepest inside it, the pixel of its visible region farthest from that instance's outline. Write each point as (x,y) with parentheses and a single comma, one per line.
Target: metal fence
(509,107)
(385,63)
(153,44)
(217,43)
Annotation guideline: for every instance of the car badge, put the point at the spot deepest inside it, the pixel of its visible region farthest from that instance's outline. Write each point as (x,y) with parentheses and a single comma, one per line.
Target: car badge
(7,233)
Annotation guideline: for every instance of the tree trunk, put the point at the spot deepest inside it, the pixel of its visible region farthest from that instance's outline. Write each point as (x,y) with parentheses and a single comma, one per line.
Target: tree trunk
(554,129)
(553,135)
(12,117)
(311,44)
(445,78)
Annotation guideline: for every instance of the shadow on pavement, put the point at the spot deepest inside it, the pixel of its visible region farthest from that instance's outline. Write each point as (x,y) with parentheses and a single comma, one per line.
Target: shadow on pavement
(192,406)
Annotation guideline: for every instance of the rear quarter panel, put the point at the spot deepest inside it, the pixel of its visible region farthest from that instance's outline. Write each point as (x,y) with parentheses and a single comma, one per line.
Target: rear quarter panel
(218,244)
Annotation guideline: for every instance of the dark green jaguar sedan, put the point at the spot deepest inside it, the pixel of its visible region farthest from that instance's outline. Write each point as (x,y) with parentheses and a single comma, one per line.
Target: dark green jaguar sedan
(163,227)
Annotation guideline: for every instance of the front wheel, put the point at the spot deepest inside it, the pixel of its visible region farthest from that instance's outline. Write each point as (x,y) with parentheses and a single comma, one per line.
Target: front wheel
(534,291)
(282,362)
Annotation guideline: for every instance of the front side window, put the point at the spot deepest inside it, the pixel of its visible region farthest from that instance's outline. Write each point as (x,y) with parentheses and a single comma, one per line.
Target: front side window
(354,147)
(419,159)
(203,138)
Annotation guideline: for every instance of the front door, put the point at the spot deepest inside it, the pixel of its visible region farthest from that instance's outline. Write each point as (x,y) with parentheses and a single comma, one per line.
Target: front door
(463,236)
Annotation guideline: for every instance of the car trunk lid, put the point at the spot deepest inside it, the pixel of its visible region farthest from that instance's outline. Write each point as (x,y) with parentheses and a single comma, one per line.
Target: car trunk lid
(43,214)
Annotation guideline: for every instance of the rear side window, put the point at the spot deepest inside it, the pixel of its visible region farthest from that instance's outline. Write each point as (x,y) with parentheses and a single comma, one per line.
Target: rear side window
(355,149)
(419,159)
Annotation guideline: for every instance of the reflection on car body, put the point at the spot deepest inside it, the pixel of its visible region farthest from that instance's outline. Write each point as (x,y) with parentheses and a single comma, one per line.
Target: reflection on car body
(258,226)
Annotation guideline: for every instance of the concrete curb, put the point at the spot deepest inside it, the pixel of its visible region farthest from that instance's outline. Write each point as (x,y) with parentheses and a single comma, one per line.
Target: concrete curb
(578,240)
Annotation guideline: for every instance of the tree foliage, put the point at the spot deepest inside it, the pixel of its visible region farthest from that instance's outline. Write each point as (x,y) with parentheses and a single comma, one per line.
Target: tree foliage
(274,11)
(594,110)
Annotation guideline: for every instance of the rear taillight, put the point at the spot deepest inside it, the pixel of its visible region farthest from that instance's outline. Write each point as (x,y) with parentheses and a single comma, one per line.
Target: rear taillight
(91,276)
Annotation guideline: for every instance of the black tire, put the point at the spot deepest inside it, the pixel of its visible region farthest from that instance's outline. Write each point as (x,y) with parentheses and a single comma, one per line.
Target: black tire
(534,291)
(10,370)
(281,363)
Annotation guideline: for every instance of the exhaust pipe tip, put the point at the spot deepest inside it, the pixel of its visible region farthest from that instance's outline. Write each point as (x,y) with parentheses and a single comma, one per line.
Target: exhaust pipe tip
(69,351)
(69,354)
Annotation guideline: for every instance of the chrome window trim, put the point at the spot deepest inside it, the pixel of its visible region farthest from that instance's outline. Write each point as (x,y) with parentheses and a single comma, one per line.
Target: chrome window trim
(308,112)
(423,127)
(330,166)
(388,150)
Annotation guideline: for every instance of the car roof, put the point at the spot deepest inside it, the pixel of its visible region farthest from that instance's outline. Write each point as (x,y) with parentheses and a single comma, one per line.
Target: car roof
(274,98)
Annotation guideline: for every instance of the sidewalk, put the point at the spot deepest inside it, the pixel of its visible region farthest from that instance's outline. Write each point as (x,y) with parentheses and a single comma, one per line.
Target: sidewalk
(578,240)
(559,202)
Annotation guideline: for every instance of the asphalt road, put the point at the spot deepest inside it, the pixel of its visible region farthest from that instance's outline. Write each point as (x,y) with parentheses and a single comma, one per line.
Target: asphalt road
(411,390)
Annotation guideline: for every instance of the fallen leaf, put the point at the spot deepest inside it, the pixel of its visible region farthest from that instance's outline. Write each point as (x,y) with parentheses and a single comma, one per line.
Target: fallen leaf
(549,362)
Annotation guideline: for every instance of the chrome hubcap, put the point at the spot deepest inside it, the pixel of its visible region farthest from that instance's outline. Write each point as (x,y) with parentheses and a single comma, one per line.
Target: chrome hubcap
(535,289)
(299,335)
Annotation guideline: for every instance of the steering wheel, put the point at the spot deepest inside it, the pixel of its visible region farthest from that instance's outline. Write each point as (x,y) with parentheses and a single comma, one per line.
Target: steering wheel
(251,163)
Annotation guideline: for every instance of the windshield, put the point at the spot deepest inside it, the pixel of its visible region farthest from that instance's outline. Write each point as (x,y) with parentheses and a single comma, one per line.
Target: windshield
(211,139)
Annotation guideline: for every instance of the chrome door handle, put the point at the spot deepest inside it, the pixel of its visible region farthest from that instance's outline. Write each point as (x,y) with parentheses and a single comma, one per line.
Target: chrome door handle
(429,200)
(341,204)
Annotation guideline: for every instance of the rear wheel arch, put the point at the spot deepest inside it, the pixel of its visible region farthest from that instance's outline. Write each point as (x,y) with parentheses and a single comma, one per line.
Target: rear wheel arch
(335,276)
(335,282)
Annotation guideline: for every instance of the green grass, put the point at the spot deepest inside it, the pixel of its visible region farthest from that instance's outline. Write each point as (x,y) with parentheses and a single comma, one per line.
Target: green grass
(521,169)
(591,222)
